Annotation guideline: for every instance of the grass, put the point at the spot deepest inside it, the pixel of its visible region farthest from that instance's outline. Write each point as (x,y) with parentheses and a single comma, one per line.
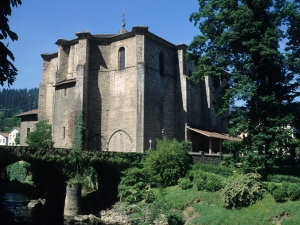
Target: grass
(202,207)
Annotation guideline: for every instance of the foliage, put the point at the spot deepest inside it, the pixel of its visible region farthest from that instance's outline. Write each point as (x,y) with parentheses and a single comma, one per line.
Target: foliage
(17,139)
(41,136)
(279,194)
(78,133)
(207,181)
(221,170)
(234,149)
(168,163)
(294,192)
(185,183)
(132,185)
(17,171)
(277,178)
(7,70)
(239,42)
(7,124)
(242,191)
(15,101)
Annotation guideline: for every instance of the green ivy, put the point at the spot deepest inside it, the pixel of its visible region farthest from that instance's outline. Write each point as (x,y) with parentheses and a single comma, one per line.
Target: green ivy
(78,132)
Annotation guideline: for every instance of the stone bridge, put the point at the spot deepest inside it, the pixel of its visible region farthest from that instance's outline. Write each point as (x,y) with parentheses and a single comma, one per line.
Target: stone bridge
(107,164)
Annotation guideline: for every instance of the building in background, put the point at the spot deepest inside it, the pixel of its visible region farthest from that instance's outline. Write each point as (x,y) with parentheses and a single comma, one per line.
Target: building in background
(12,135)
(28,120)
(3,138)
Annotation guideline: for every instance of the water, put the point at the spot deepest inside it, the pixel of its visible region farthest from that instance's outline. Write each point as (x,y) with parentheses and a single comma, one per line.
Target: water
(16,212)
(17,205)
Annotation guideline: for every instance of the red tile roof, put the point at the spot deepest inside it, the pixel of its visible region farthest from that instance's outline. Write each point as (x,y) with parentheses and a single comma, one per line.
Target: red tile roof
(4,134)
(32,112)
(214,134)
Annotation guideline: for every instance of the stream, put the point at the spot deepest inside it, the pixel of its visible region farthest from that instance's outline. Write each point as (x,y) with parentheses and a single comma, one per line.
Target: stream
(14,211)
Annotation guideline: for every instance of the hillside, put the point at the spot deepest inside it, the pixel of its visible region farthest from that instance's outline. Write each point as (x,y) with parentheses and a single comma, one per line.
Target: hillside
(15,101)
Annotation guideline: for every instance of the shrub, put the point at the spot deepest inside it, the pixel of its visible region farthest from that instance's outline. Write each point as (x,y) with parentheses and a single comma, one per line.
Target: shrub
(168,163)
(185,183)
(294,191)
(241,191)
(207,181)
(132,185)
(224,171)
(271,187)
(282,178)
(279,194)
(213,182)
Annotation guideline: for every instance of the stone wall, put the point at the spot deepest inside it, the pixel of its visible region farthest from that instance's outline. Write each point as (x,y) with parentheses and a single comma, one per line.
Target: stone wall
(206,159)
(64,115)
(161,94)
(112,96)
(27,123)
(46,90)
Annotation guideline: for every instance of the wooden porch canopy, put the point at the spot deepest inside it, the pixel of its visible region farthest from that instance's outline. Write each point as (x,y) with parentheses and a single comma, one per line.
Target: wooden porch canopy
(214,134)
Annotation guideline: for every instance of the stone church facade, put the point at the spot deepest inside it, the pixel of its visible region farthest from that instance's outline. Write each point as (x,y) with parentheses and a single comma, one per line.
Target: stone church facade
(129,88)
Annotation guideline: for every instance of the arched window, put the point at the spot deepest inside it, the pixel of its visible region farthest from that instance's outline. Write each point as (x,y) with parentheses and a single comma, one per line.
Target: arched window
(161,64)
(122,58)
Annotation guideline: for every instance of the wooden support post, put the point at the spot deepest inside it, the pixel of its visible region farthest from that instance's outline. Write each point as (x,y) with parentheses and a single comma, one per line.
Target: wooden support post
(210,146)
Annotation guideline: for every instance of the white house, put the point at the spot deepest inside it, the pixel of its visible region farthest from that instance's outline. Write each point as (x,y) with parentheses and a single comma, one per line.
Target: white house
(12,135)
(3,138)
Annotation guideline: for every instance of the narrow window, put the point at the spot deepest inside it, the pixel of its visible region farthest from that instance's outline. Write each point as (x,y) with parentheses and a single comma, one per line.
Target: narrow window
(161,64)
(28,131)
(64,133)
(65,91)
(122,58)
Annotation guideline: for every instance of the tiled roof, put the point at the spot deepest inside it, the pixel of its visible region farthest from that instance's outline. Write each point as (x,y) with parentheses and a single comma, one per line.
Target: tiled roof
(214,134)
(32,112)
(4,134)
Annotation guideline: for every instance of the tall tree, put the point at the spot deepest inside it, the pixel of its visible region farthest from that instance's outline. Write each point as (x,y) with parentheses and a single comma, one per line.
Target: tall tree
(7,70)
(240,40)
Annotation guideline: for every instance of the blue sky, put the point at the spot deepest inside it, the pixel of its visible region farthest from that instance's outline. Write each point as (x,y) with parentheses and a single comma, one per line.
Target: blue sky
(39,23)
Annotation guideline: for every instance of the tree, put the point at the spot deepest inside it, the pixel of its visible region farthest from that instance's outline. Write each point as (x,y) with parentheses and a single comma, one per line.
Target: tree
(41,136)
(7,70)
(240,41)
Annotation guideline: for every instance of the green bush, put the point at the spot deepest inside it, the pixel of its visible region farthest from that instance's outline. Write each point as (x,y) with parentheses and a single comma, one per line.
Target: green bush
(279,194)
(132,185)
(224,171)
(207,181)
(294,192)
(271,187)
(243,190)
(168,163)
(213,182)
(199,179)
(282,178)
(185,183)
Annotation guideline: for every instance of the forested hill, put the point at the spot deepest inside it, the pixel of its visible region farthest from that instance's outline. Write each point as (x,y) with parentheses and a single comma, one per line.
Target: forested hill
(14,101)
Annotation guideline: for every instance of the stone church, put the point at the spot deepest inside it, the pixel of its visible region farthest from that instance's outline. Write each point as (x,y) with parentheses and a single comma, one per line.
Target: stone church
(130,89)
